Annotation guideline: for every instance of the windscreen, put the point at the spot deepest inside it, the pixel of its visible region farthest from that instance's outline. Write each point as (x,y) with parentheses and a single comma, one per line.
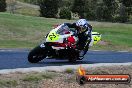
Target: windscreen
(64,29)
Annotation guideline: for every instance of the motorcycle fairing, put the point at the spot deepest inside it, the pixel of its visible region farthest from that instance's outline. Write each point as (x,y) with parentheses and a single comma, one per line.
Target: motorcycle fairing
(56,35)
(96,37)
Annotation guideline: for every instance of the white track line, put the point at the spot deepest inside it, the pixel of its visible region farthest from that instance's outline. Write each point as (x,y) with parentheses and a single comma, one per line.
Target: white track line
(60,68)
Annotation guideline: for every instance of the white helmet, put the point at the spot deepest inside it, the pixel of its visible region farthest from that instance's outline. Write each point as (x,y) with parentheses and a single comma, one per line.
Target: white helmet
(82,23)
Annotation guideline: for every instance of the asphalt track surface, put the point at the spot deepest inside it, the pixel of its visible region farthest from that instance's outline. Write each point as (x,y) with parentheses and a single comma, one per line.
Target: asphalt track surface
(12,59)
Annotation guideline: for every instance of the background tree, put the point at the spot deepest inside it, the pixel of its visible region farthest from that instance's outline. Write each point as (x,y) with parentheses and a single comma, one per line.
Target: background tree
(49,8)
(111,7)
(128,5)
(90,7)
(79,7)
(2,5)
(101,13)
(65,13)
(66,3)
(123,17)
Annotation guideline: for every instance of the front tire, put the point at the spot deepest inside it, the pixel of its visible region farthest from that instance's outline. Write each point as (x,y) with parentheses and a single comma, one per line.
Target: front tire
(37,54)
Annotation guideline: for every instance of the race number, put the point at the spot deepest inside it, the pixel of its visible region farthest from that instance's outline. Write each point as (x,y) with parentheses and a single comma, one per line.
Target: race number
(52,36)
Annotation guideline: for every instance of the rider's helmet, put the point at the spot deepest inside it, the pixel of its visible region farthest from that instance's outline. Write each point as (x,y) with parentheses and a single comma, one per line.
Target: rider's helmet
(82,25)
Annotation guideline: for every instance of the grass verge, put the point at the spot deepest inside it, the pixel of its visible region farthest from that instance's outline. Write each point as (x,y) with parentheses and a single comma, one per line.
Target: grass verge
(19,31)
(61,79)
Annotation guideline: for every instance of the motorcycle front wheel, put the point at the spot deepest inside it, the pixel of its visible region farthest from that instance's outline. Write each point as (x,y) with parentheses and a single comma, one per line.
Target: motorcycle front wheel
(37,54)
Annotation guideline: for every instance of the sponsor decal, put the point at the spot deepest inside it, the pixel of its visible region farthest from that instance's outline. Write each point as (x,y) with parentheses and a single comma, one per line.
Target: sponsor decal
(83,78)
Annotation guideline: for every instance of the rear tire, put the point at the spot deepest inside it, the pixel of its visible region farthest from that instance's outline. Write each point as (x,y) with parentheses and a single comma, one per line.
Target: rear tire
(73,55)
(37,54)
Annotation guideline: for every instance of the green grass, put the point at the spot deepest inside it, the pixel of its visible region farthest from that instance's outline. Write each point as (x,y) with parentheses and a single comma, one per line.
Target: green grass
(28,11)
(118,35)
(23,8)
(69,70)
(26,80)
(19,31)
(8,83)
(38,77)
(32,78)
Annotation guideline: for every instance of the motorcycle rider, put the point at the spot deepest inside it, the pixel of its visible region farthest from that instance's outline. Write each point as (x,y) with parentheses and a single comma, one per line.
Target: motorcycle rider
(84,33)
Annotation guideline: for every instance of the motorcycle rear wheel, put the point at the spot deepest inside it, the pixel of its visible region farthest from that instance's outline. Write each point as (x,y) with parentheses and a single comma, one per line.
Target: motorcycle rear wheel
(73,55)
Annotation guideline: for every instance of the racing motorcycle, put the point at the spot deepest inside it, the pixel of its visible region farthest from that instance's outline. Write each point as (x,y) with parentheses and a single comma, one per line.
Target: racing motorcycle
(60,43)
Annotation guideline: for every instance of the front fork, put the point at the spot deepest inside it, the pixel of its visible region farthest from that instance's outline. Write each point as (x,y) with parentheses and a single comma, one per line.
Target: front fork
(49,49)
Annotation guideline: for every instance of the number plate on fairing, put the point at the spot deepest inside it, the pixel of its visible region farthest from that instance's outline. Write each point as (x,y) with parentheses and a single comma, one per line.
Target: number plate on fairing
(52,37)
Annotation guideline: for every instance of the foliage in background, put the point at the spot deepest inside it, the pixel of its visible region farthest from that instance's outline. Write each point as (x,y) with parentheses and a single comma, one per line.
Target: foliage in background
(90,6)
(79,7)
(98,10)
(110,9)
(65,13)
(2,5)
(49,8)
(66,3)
(128,8)
(122,17)
(106,10)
